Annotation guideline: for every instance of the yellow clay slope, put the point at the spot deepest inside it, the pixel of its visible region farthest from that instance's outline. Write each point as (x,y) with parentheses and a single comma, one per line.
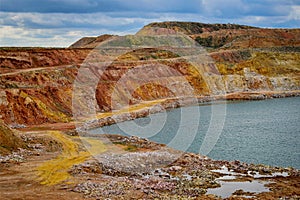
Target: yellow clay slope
(56,170)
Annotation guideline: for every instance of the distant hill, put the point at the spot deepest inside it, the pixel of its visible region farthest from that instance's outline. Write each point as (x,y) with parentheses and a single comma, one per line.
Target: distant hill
(191,28)
(228,36)
(214,36)
(90,42)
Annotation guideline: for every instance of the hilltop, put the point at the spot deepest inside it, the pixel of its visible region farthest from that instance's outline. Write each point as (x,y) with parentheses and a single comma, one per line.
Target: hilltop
(215,36)
(229,36)
(90,42)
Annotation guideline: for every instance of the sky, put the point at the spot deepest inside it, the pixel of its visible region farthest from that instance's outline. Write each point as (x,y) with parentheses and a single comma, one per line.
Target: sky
(59,23)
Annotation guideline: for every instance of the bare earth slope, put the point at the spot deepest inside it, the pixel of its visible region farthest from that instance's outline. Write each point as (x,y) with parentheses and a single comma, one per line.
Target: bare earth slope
(36,83)
(9,141)
(90,42)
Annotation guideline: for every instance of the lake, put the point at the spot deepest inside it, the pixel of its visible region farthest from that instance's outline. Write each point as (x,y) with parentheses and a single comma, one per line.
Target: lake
(266,132)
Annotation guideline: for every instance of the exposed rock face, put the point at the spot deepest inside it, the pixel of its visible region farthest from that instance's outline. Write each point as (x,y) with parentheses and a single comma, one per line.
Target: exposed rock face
(26,58)
(8,140)
(37,84)
(261,71)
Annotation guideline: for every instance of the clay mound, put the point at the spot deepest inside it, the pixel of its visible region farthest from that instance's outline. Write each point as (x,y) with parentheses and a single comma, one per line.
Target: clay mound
(90,42)
(9,141)
(227,36)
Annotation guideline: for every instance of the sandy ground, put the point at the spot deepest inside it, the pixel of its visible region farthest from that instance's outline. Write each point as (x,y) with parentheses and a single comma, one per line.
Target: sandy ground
(60,168)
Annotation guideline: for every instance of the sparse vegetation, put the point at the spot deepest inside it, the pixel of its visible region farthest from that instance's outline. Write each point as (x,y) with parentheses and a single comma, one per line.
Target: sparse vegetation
(270,64)
(196,28)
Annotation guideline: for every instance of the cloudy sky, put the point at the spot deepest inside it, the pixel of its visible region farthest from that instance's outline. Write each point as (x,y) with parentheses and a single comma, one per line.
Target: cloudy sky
(61,22)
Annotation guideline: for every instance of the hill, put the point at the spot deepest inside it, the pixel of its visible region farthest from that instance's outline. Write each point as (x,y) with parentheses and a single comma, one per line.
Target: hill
(90,42)
(229,36)
(240,62)
(214,36)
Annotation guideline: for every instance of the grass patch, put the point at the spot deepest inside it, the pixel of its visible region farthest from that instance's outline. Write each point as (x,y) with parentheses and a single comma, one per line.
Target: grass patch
(131,148)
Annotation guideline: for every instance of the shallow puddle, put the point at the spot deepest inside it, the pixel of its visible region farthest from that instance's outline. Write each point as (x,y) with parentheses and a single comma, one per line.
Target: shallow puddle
(227,188)
(227,177)
(254,174)
(224,170)
(274,174)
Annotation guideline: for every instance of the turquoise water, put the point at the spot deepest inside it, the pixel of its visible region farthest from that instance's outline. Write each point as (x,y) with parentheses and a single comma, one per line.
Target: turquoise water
(266,132)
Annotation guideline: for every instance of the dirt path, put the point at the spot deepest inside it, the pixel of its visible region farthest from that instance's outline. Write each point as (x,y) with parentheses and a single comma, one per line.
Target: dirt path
(19,71)
(132,108)
(45,176)
(19,181)
(56,170)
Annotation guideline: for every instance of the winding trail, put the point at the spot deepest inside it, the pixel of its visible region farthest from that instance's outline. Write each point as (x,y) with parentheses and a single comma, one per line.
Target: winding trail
(55,171)
(35,69)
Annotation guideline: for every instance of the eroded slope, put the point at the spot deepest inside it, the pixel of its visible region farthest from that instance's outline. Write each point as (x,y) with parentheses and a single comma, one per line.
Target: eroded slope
(36,84)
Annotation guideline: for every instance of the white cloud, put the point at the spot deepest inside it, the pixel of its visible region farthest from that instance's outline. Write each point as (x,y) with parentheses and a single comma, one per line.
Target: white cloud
(20,36)
(224,8)
(295,13)
(62,29)
(49,20)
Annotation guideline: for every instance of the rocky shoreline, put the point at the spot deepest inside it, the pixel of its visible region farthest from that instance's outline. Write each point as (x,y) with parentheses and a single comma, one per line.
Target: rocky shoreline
(171,103)
(136,168)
